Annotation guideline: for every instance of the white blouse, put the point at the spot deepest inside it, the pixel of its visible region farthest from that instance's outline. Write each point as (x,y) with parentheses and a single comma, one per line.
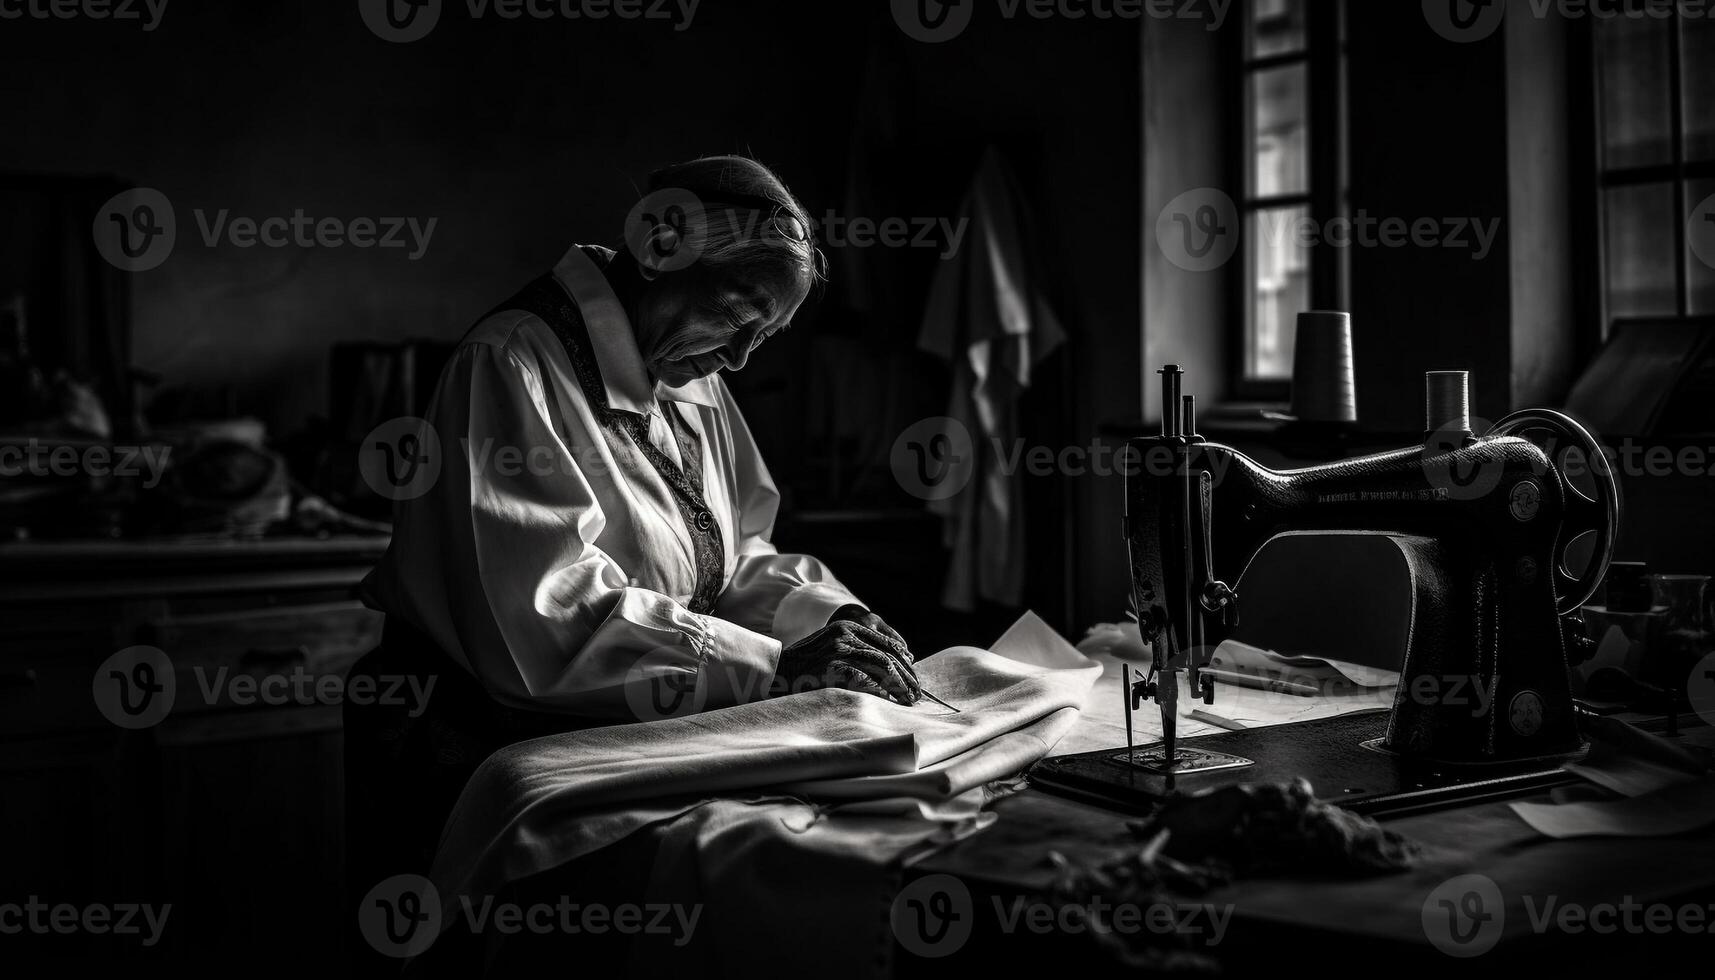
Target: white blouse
(550,558)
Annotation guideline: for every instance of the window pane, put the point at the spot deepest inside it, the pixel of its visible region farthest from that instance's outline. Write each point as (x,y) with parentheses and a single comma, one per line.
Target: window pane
(1697,66)
(1280,159)
(1642,275)
(1634,60)
(1700,242)
(1276,27)
(1279,263)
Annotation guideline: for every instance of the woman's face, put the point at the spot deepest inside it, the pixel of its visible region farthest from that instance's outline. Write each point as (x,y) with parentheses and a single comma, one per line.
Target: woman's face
(690,325)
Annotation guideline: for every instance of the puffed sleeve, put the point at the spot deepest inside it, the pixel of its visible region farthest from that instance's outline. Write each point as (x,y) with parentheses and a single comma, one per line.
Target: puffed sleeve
(786,596)
(541,614)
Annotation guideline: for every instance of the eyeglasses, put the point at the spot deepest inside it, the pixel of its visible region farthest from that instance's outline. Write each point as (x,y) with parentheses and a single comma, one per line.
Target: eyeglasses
(781,218)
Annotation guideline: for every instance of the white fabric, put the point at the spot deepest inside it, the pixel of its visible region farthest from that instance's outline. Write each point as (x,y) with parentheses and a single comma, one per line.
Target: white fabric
(541,803)
(559,574)
(991,322)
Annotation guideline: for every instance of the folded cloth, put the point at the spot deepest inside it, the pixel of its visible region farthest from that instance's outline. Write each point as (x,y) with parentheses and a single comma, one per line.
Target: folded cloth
(538,804)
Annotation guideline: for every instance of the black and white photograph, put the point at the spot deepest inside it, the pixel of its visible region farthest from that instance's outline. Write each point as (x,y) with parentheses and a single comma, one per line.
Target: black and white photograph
(857,489)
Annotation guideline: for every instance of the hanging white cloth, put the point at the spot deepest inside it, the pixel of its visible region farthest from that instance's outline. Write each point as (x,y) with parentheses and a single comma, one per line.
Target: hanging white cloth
(988,318)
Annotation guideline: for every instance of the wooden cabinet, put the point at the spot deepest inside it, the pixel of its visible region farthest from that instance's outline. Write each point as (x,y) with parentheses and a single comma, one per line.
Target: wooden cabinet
(230,807)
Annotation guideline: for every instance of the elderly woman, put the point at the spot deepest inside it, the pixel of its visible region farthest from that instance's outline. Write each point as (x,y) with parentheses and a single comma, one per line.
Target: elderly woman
(601,523)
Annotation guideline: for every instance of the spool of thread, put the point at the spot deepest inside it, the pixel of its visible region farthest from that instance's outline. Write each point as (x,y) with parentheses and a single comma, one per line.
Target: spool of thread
(1447,403)
(1323,387)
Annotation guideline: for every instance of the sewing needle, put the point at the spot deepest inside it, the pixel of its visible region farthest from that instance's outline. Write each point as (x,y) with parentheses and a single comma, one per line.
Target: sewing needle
(941,702)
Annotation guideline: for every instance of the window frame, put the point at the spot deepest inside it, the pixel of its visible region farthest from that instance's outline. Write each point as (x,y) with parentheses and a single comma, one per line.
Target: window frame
(1677,173)
(1325,198)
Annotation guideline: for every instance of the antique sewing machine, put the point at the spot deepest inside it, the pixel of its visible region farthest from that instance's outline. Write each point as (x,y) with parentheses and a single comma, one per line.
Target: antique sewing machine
(1483,524)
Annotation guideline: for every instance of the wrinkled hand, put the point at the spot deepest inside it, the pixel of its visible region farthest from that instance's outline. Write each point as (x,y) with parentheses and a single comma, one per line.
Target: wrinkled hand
(863,617)
(851,656)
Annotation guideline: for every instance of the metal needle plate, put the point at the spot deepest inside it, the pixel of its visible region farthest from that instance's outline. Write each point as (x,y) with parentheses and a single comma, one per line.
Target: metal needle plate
(1185,760)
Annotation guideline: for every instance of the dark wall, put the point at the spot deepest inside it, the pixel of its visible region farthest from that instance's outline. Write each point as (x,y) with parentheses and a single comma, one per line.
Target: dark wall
(519,138)
(1062,98)
(1428,140)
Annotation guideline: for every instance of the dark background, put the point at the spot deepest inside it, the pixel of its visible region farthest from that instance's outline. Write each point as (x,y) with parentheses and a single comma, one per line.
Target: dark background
(523,137)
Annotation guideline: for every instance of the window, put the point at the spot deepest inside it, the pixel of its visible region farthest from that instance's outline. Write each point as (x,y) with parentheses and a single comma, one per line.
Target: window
(1655,119)
(1294,180)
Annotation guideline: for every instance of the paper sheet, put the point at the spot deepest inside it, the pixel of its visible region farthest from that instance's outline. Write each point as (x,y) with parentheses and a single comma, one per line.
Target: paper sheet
(1678,809)
(1101,725)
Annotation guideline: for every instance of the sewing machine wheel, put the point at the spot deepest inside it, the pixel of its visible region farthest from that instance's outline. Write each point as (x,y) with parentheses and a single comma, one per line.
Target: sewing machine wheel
(1592,498)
